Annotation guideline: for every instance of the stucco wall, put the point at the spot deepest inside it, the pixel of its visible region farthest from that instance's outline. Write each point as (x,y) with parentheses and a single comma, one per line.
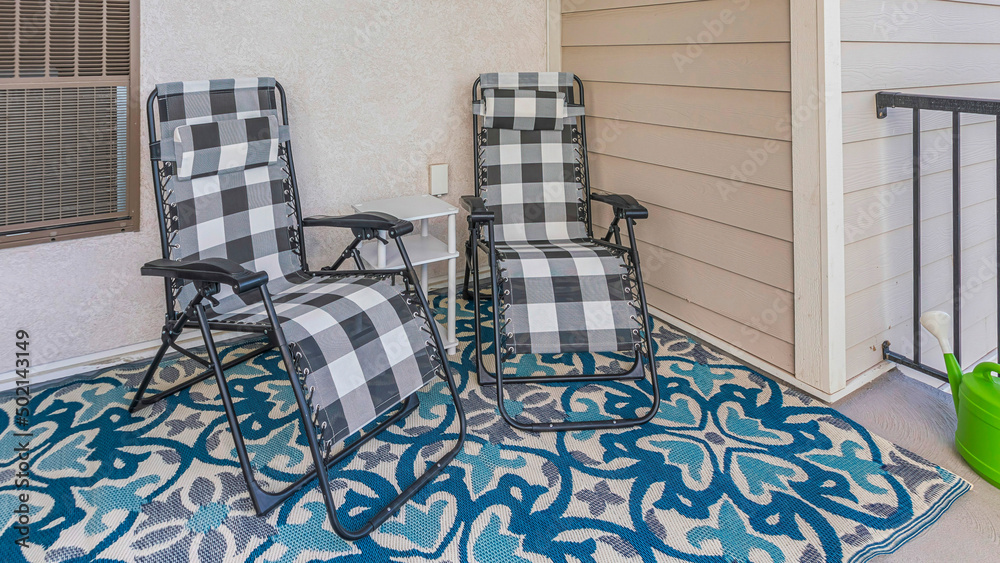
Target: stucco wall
(377,91)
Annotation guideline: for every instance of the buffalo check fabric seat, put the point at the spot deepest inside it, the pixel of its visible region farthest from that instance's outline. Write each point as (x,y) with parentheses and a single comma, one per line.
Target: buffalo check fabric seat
(529,182)
(358,340)
(568,296)
(537,81)
(241,215)
(525,110)
(554,287)
(355,345)
(211,101)
(240,212)
(225,146)
(567,293)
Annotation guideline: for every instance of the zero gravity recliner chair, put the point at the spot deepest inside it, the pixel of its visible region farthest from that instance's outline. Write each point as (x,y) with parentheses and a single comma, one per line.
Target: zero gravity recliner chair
(355,344)
(555,288)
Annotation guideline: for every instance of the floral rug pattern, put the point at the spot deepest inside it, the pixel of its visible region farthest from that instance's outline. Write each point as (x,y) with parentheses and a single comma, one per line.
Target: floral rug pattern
(734,467)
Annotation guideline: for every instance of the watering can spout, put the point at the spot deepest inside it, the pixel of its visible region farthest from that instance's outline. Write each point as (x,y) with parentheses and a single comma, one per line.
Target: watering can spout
(937,323)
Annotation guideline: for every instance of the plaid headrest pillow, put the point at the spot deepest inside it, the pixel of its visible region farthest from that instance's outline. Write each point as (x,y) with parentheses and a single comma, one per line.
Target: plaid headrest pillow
(524,110)
(225,146)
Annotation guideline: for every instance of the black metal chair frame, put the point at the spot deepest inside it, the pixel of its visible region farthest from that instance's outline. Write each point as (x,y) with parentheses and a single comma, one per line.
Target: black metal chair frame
(207,277)
(627,210)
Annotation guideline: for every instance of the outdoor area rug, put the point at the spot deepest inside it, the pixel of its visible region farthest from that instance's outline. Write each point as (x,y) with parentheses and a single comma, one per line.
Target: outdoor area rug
(734,468)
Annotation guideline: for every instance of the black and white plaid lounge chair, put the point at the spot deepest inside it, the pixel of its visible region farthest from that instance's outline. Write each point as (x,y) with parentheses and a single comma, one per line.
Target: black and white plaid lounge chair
(362,342)
(555,288)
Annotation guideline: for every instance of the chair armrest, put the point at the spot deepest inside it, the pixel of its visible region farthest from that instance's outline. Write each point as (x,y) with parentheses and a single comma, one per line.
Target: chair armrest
(212,270)
(626,206)
(478,213)
(360,223)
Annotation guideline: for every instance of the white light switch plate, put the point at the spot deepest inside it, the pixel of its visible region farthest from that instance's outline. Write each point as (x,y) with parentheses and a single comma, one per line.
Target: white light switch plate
(439,179)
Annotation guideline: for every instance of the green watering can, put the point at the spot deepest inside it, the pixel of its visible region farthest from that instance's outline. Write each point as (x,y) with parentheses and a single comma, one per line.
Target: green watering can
(977,402)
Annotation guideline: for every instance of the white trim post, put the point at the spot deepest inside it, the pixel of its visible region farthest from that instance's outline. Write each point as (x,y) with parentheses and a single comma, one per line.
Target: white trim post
(818,195)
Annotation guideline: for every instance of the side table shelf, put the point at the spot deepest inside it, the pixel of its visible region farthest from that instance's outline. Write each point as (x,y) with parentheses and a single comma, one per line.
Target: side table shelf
(422,248)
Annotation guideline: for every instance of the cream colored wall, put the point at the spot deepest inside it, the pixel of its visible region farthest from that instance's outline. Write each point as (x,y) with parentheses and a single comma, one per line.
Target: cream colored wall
(931,47)
(377,91)
(689,106)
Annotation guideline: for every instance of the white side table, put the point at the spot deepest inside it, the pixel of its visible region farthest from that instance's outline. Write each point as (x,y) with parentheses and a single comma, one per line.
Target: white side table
(422,248)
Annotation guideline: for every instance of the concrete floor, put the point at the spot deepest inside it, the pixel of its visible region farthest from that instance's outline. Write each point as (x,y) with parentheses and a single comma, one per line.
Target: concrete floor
(921,418)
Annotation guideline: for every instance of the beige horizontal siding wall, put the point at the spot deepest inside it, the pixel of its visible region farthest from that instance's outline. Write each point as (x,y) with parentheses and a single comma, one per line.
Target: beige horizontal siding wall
(932,47)
(689,111)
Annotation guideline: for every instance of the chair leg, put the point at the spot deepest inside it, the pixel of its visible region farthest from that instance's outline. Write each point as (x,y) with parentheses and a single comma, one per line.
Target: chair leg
(139,400)
(227,401)
(642,359)
(483,376)
(266,501)
(169,337)
(468,269)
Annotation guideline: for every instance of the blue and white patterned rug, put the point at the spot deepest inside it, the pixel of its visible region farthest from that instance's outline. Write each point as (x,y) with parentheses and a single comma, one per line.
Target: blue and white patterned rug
(734,468)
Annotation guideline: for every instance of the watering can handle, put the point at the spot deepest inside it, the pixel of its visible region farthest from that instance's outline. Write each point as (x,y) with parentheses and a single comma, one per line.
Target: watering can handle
(986,370)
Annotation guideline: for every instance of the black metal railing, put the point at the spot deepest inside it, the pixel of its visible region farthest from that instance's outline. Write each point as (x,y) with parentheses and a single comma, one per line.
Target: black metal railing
(957,106)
